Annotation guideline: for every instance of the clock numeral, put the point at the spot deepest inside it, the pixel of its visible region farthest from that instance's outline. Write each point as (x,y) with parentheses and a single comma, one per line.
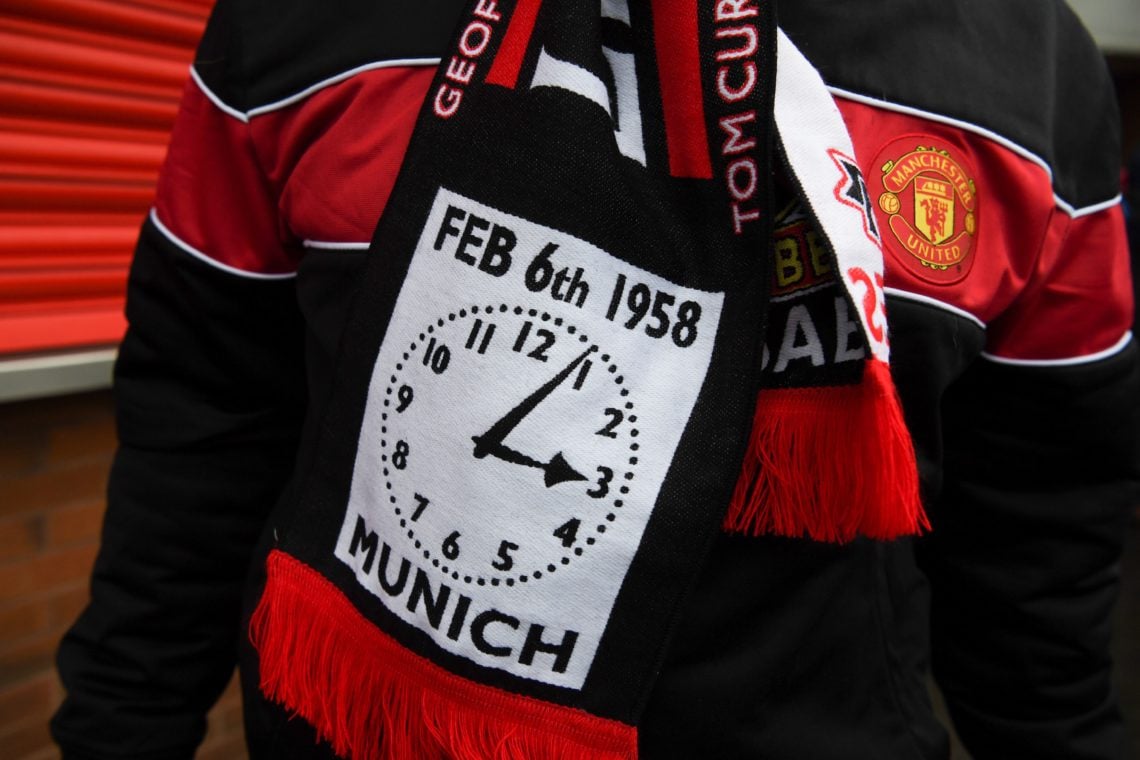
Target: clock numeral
(505,561)
(616,416)
(421,505)
(404,397)
(582,373)
(521,340)
(473,336)
(450,546)
(568,532)
(603,483)
(437,357)
(400,455)
(544,335)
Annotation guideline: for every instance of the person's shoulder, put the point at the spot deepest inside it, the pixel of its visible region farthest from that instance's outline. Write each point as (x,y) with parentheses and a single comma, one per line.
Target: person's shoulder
(1026,71)
(258,52)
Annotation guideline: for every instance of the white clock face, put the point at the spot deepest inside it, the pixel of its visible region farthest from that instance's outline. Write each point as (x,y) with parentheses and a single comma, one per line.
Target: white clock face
(522,416)
(553,457)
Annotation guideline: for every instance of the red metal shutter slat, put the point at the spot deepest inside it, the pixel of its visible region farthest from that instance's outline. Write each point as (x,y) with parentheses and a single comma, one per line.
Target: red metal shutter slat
(165,22)
(88,92)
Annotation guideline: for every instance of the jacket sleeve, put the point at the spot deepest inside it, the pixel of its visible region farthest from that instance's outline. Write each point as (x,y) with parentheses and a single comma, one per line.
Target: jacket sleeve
(209,394)
(1040,475)
(1024,560)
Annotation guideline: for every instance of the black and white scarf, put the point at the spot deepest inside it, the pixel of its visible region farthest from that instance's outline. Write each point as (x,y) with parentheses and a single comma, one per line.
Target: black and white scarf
(548,384)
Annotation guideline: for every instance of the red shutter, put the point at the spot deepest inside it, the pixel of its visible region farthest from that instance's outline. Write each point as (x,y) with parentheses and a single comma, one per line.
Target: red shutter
(88,92)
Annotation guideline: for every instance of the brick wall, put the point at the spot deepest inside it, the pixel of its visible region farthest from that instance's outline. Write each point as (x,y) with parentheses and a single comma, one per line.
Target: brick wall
(54,458)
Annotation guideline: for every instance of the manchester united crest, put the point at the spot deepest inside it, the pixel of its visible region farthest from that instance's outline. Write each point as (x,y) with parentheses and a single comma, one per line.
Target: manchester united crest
(927,191)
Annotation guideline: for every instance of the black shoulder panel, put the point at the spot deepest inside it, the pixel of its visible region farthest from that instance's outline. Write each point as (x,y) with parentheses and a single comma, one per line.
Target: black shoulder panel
(256,52)
(1025,69)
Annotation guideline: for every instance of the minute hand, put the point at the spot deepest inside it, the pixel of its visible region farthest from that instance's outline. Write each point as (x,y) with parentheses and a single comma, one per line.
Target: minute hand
(489,441)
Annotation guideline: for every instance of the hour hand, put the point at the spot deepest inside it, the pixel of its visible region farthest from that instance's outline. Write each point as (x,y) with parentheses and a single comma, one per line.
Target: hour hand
(556,471)
(497,449)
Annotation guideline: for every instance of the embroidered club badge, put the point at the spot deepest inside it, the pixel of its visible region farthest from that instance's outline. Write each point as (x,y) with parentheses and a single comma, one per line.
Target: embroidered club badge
(926,188)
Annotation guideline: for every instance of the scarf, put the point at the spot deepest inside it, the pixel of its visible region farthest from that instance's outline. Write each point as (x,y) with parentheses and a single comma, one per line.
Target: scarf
(546,402)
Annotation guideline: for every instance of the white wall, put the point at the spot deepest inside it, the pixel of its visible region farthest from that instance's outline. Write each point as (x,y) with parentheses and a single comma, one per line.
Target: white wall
(1114,23)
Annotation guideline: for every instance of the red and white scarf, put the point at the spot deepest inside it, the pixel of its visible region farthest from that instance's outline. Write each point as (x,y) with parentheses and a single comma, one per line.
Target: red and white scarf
(549,383)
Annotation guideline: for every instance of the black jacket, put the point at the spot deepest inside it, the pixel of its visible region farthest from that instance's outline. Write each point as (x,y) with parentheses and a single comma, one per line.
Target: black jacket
(1009,314)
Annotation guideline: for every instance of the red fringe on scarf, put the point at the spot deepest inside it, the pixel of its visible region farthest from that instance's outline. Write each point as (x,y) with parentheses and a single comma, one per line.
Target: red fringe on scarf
(372,699)
(829,463)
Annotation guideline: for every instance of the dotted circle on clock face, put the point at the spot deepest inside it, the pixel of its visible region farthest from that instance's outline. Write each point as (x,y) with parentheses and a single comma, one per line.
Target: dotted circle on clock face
(616,497)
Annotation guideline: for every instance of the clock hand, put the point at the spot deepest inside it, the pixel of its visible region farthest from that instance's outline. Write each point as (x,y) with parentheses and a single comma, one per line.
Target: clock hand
(486,442)
(500,451)
(557,470)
